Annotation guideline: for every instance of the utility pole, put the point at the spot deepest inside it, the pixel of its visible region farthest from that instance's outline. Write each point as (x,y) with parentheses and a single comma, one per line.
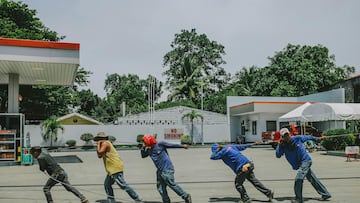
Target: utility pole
(151,98)
(202,109)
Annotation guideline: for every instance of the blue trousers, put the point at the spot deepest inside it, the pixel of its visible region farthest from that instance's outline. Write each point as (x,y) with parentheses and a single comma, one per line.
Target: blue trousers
(119,179)
(166,178)
(305,171)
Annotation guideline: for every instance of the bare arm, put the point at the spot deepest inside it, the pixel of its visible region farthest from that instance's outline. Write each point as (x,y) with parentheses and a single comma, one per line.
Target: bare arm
(101,148)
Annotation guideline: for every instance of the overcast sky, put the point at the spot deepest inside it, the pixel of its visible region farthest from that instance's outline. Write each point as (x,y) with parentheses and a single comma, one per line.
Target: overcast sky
(132,36)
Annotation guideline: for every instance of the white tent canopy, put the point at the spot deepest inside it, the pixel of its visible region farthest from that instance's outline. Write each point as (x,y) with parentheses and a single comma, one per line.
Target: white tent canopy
(296,114)
(332,112)
(324,112)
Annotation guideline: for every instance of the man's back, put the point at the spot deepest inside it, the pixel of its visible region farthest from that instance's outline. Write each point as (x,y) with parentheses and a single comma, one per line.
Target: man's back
(48,163)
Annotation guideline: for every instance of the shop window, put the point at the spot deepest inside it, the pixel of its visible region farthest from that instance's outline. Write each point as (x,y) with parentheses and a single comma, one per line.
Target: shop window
(282,124)
(270,126)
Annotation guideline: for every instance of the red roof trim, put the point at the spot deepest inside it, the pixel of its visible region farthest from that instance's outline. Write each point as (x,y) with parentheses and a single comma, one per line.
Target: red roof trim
(353,77)
(39,44)
(266,102)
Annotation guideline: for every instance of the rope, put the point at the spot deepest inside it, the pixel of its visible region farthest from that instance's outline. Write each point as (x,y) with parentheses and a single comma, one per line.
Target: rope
(90,191)
(341,135)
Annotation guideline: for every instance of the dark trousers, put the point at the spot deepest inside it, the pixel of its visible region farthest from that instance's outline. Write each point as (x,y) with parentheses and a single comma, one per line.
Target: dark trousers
(60,177)
(250,176)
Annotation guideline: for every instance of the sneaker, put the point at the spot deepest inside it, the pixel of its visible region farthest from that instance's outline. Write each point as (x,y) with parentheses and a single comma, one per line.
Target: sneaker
(139,201)
(324,198)
(188,199)
(271,196)
(85,201)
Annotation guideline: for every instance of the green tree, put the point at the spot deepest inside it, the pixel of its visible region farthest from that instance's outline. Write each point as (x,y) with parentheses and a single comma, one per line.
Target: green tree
(130,89)
(194,66)
(187,85)
(50,128)
(245,81)
(192,116)
(152,84)
(18,21)
(301,70)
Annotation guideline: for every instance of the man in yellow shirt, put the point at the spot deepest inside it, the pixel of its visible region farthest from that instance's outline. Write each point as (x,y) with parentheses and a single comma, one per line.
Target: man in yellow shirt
(114,168)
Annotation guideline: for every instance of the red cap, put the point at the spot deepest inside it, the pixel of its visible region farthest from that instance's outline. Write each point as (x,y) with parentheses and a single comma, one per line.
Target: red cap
(149,140)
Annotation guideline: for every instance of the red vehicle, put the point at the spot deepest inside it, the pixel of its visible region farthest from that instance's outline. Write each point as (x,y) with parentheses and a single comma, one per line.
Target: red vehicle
(273,138)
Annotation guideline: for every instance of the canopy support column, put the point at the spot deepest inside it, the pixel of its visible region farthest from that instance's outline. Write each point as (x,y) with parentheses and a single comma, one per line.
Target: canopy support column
(13,93)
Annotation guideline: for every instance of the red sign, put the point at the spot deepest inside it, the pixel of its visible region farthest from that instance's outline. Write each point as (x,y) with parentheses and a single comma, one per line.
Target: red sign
(173,133)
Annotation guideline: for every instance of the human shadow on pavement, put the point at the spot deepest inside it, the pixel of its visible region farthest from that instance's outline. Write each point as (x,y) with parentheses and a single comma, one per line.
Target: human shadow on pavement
(105,201)
(280,199)
(224,199)
(233,199)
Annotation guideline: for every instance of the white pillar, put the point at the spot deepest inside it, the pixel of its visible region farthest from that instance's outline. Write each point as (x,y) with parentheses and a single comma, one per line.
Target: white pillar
(13,93)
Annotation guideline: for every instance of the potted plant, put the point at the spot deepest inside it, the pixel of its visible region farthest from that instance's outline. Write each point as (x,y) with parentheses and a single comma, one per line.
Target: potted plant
(185,139)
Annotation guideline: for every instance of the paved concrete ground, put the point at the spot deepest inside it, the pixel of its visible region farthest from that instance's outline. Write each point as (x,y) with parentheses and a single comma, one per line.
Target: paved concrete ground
(204,179)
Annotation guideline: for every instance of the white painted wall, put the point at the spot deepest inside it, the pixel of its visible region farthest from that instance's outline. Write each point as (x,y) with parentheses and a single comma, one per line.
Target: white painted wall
(126,134)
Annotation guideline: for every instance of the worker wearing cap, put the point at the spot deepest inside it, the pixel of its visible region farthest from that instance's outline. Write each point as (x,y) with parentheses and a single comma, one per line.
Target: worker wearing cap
(299,159)
(165,169)
(57,174)
(114,168)
(242,166)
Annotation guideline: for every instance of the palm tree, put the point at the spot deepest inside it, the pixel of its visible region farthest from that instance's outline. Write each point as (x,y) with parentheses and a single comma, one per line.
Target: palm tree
(49,129)
(192,116)
(188,83)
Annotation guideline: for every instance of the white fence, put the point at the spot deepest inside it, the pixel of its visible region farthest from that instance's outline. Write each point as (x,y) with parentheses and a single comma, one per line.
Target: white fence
(126,134)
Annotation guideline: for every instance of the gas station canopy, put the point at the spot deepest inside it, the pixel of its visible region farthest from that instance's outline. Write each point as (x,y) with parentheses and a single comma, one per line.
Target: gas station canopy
(33,62)
(38,62)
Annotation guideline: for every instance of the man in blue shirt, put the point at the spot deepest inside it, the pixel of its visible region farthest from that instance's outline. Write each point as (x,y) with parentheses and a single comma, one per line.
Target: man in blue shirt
(242,166)
(165,169)
(299,159)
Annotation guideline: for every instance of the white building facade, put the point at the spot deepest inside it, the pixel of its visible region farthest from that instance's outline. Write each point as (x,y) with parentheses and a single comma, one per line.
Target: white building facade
(250,116)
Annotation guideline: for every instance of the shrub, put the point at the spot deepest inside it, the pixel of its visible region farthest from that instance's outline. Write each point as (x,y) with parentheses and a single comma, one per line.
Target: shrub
(337,143)
(71,143)
(139,138)
(112,138)
(185,139)
(86,137)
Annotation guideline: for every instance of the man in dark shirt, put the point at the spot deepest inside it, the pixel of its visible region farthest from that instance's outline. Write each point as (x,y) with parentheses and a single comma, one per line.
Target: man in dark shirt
(56,173)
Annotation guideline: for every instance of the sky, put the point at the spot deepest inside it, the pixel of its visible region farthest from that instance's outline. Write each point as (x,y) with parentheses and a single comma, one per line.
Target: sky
(132,36)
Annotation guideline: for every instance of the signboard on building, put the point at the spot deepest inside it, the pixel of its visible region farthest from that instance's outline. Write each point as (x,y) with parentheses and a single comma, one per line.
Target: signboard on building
(173,133)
